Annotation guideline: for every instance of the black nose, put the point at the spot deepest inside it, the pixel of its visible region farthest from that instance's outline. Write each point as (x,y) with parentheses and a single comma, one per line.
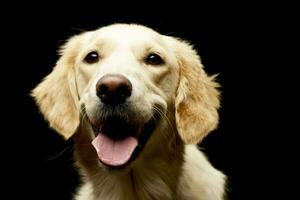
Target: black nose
(113,89)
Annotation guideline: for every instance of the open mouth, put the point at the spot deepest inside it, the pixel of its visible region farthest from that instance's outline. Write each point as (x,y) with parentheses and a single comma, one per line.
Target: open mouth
(118,142)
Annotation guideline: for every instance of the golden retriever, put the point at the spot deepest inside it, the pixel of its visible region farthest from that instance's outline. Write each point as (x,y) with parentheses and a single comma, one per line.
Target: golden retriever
(136,103)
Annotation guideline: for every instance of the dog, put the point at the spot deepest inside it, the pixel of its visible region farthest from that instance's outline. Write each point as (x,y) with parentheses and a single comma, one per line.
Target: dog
(136,103)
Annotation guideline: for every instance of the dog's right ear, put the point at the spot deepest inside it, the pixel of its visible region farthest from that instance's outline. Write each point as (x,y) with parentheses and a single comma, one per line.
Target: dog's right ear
(56,96)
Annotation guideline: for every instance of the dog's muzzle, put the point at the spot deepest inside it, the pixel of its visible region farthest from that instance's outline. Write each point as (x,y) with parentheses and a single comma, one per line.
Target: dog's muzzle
(118,138)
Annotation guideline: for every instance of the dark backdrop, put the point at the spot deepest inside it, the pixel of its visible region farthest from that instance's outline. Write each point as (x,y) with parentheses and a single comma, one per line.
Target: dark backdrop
(41,161)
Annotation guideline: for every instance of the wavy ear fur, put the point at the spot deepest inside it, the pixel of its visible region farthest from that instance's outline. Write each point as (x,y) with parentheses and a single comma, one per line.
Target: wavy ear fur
(197,98)
(56,95)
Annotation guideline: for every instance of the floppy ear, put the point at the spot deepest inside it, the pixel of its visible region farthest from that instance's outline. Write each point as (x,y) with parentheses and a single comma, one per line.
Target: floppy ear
(57,96)
(197,98)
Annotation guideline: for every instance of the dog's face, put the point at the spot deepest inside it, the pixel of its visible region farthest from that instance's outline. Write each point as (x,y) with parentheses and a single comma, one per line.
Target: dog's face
(125,77)
(124,80)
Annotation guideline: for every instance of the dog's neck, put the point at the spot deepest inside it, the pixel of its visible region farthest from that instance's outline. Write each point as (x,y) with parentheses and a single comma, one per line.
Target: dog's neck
(152,176)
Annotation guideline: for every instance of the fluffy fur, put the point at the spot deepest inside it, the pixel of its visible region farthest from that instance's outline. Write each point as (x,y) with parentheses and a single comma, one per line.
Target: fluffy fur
(170,166)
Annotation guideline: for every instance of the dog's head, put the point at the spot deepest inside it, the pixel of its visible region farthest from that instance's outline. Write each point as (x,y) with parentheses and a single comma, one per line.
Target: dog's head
(124,80)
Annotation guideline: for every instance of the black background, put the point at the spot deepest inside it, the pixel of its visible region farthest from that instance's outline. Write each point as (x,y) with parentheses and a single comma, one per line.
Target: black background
(41,161)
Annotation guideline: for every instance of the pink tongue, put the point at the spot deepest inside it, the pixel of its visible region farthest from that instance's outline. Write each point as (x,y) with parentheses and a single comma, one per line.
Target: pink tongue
(114,152)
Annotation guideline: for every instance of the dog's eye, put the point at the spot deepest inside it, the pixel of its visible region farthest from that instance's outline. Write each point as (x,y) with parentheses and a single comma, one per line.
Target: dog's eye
(154,59)
(91,57)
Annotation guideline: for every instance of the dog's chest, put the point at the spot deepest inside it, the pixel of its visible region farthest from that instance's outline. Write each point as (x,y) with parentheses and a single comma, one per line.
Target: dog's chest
(135,187)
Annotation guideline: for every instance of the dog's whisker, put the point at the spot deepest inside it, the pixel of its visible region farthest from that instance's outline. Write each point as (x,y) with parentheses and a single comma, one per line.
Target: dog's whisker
(68,148)
(164,116)
(166,135)
(78,29)
(83,114)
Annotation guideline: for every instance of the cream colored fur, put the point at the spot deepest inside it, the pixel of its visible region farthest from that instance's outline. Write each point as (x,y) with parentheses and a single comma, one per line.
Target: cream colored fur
(170,166)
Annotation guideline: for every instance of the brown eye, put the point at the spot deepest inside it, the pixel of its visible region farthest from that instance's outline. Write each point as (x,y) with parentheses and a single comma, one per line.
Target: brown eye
(91,57)
(154,59)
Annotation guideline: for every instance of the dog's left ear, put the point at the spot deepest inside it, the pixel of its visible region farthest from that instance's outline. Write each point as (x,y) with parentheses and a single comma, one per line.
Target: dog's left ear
(57,96)
(197,98)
